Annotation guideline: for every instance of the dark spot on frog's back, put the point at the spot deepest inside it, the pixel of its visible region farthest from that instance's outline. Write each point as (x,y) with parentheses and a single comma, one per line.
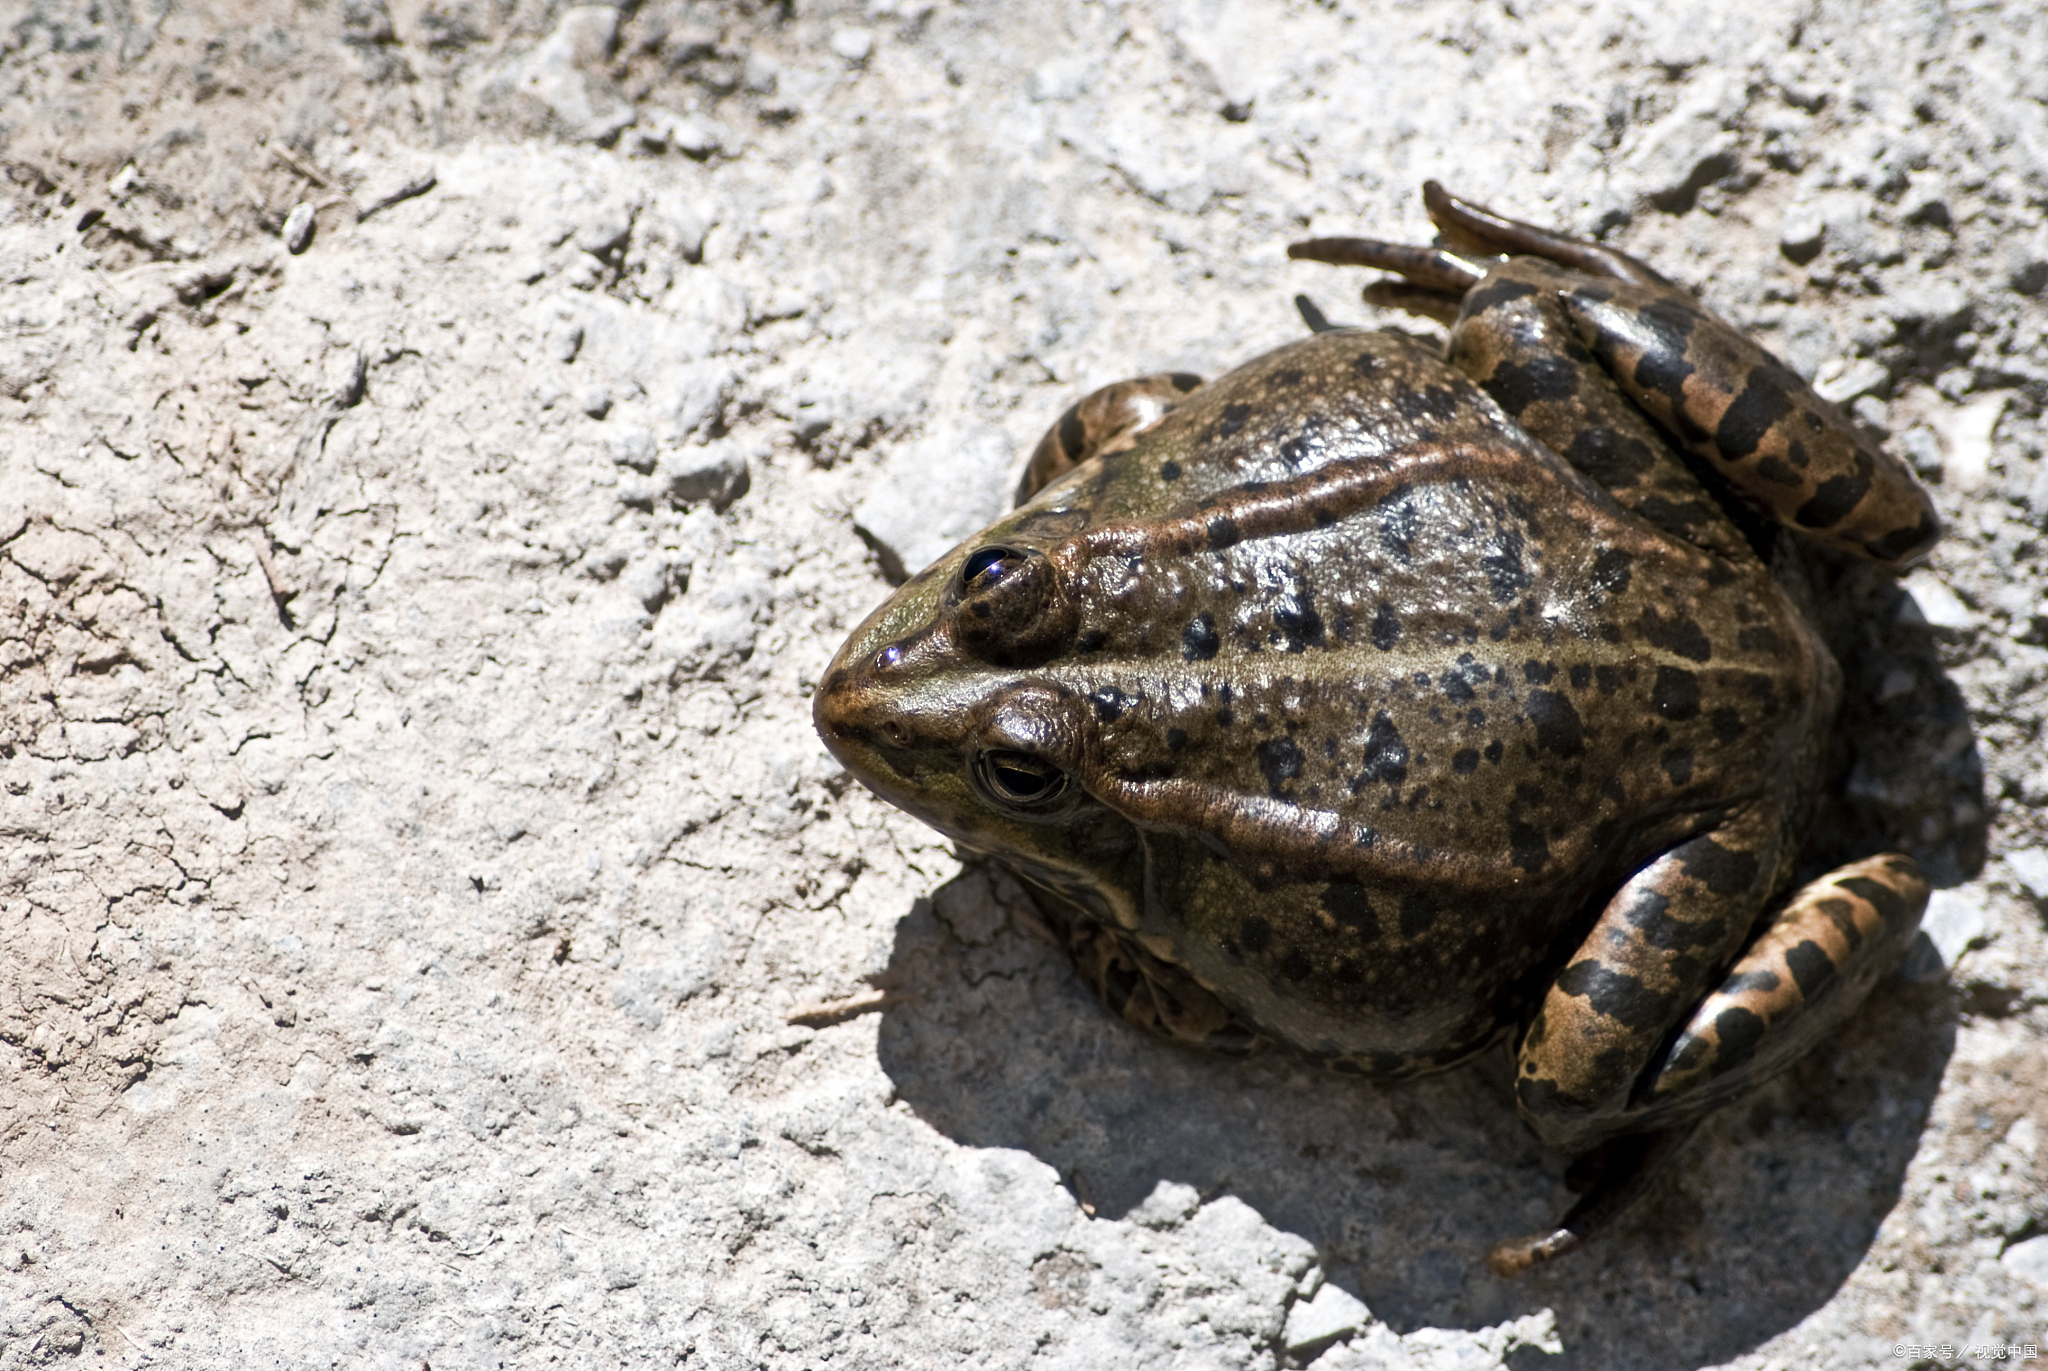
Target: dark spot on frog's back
(1198,641)
(1558,726)
(1280,761)
(1223,532)
(1676,694)
(1169,471)
(1234,417)
(1611,570)
(1365,364)
(1526,846)
(1386,628)
(1386,754)
(1299,626)
(1419,404)
(1254,935)
(1677,634)
(1289,377)
(1504,569)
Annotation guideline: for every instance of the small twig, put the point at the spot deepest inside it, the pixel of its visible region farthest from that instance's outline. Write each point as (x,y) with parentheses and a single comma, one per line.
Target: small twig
(297,164)
(1083,1194)
(839,1011)
(418,184)
(131,1340)
(279,591)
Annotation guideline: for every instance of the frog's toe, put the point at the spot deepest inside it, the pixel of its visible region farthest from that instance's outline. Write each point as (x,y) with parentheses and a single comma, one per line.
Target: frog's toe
(1430,268)
(1610,1178)
(1478,230)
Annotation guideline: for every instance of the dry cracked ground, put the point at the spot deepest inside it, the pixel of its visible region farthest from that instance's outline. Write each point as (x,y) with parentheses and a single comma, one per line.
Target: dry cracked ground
(415,844)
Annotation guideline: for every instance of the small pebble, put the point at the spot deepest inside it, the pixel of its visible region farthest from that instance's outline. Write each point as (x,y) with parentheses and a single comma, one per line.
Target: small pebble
(298,229)
(717,473)
(565,341)
(1802,233)
(695,138)
(635,448)
(595,401)
(853,45)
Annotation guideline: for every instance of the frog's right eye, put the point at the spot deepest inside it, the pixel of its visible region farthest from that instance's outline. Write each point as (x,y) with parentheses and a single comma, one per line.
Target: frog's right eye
(1018,780)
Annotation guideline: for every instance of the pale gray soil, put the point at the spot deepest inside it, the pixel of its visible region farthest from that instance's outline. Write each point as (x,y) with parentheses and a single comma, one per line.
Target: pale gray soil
(415,840)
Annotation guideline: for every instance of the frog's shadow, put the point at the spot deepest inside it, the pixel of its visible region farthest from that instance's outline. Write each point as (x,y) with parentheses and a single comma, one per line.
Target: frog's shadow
(1402,1187)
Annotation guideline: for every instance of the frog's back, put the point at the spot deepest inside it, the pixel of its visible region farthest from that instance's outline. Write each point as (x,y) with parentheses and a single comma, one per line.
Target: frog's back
(1421,680)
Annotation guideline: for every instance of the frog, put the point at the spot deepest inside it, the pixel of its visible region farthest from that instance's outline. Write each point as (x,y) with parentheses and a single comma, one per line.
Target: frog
(1392,701)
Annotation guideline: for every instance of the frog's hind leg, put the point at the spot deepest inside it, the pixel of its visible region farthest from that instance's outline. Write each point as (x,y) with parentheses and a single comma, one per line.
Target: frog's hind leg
(1754,421)
(1798,979)
(1804,974)
(1103,421)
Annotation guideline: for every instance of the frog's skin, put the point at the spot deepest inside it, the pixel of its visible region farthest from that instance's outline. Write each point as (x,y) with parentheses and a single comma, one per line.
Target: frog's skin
(1387,705)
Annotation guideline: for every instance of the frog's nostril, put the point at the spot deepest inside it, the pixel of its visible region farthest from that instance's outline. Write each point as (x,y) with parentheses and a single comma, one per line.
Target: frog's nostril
(894,732)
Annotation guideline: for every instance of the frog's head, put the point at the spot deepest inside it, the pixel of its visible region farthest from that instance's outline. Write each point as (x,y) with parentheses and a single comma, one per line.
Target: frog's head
(940,703)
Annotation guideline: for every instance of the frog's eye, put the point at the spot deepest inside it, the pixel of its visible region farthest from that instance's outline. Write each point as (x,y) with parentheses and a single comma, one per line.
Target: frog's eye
(984,568)
(1019,779)
(1007,607)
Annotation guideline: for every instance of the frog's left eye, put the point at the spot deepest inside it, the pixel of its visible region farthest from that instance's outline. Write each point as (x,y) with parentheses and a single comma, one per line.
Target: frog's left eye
(1019,780)
(985,567)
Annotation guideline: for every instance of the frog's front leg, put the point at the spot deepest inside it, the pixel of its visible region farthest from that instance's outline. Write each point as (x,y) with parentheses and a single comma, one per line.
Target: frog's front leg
(1103,421)
(1804,973)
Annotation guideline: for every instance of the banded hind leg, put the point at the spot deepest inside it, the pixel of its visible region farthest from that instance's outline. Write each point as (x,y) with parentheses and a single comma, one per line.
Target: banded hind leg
(1795,982)
(1747,417)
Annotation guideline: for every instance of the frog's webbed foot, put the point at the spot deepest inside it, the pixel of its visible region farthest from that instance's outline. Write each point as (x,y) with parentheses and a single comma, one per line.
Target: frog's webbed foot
(1103,421)
(1472,239)
(1147,993)
(1609,1179)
